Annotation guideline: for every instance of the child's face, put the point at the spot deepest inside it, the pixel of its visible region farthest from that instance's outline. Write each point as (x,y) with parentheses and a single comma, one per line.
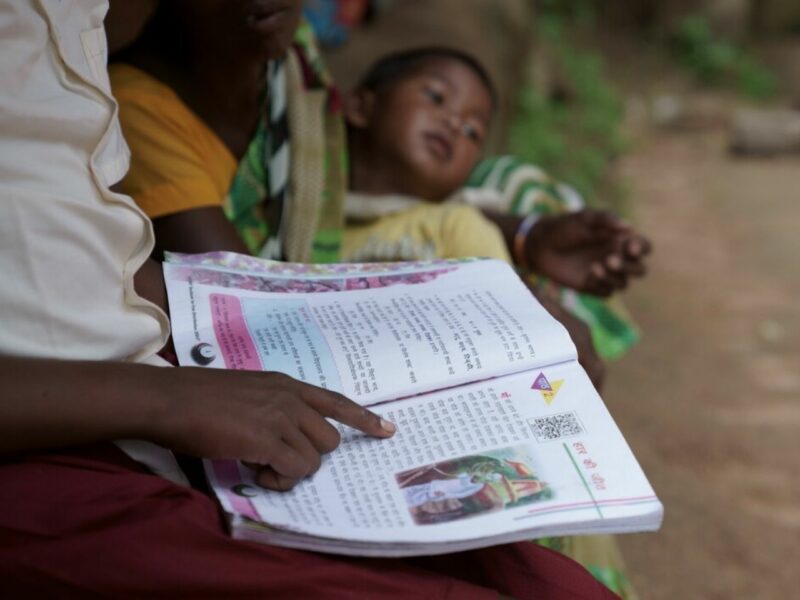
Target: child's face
(433,123)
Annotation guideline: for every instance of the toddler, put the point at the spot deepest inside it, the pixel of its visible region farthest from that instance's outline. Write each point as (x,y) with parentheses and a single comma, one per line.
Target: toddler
(416,126)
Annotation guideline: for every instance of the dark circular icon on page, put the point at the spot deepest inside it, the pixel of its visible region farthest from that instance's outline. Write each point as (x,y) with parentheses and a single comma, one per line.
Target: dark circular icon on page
(203,354)
(244,490)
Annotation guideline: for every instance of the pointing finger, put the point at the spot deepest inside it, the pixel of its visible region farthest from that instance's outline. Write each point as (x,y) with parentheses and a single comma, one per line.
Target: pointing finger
(337,407)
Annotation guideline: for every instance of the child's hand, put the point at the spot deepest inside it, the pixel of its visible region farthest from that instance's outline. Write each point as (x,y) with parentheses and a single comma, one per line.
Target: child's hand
(590,251)
(266,419)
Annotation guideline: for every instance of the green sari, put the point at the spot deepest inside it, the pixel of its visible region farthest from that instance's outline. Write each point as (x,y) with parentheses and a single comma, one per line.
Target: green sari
(311,221)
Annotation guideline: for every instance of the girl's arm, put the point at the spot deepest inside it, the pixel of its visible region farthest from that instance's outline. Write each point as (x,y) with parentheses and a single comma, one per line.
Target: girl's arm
(267,419)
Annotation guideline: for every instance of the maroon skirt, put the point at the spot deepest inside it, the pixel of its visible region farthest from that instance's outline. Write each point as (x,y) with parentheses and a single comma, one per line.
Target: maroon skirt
(91,522)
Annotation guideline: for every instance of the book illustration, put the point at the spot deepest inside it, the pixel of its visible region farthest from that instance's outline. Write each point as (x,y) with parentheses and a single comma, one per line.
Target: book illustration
(468,486)
(274,269)
(252,264)
(547,388)
(280,285)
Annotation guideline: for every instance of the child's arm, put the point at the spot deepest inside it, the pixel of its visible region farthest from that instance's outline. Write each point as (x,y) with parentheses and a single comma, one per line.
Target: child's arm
(590,251)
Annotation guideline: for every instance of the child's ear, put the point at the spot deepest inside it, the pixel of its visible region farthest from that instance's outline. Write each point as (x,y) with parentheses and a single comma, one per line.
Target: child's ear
(358,107)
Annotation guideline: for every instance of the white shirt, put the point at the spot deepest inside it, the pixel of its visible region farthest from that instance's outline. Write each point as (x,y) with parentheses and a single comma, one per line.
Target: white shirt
(69,247)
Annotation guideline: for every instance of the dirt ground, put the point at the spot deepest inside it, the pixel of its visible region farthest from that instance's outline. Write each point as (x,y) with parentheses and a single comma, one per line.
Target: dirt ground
(710,399)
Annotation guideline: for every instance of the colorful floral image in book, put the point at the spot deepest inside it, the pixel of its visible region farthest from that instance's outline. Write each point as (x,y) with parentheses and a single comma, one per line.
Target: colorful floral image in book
(472,485)
(302,285)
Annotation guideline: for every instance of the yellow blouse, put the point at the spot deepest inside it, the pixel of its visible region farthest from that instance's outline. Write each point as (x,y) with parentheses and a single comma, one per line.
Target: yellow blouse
(177,162)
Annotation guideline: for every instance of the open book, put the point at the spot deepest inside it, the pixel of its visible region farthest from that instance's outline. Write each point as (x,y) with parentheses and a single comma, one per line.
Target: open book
(501,436)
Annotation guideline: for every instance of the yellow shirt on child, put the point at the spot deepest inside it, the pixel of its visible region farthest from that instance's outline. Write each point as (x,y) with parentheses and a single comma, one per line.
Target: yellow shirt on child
(423,231)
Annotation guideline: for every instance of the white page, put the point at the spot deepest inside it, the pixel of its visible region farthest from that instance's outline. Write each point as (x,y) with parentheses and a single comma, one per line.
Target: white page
(535,452)
(416,328)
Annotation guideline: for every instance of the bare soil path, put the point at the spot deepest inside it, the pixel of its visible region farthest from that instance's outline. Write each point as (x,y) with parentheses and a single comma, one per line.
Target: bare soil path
(710,400)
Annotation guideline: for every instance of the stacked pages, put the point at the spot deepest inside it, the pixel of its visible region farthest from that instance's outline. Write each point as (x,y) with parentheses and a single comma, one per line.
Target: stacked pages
(501,436)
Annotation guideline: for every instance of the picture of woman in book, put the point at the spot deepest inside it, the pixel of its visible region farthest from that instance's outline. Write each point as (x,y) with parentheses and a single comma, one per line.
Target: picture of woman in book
(471,485)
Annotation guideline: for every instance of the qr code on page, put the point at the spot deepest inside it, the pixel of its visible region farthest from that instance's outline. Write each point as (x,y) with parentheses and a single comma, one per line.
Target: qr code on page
(555,427)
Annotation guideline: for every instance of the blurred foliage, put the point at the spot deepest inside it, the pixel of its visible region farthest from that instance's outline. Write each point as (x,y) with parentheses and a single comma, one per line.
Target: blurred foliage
(719,62)
(574,130)
(573,135)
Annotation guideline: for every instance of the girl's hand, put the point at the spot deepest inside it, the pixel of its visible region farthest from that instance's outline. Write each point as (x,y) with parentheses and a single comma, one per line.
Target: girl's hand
(266,419)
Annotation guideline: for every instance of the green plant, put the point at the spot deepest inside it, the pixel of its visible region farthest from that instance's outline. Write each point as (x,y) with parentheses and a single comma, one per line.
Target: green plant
(574,136)
(720,62)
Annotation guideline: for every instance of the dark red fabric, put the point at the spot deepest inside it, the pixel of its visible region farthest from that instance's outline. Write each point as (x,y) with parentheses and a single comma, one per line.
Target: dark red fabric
(93,523)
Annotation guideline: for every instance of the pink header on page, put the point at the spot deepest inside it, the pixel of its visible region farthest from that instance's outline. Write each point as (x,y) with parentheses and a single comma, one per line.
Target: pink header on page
(238,349)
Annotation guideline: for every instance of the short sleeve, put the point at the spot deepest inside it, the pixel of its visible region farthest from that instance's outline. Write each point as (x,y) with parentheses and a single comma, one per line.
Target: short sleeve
(177,162)
(466,232)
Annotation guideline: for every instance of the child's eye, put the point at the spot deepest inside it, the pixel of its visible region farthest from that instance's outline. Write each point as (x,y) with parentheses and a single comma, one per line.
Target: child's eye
(472,132)
(434,95)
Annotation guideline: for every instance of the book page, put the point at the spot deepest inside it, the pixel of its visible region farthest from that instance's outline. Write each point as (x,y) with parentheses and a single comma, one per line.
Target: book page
(534,452)
(372,332)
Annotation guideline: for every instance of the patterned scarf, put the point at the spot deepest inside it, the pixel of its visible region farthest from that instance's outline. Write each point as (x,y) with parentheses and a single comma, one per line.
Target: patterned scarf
(287,195)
